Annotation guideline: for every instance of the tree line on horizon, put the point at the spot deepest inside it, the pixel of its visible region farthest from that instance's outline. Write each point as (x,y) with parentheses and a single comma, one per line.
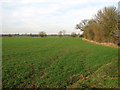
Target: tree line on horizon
(61,33)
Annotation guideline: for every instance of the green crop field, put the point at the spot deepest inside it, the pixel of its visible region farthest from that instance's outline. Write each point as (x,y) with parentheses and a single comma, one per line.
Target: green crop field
(54,62)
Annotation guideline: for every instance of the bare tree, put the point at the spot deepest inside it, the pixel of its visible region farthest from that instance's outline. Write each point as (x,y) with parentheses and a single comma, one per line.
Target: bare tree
(82,24)
(60,33)
(64,31)
(42,34)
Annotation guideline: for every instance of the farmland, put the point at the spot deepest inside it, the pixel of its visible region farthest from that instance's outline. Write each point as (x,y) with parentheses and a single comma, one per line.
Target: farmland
(53,62)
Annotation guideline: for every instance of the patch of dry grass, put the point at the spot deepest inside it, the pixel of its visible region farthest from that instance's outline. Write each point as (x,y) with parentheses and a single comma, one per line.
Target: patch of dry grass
(104,44)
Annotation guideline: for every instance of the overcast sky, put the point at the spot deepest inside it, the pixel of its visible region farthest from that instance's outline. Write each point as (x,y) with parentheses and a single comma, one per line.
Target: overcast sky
(51,16)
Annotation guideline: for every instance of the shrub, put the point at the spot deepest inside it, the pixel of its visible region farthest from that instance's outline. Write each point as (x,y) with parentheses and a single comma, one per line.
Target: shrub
(9,35)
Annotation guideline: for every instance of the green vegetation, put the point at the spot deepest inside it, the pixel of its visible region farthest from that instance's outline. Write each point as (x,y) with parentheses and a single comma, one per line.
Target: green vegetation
(55,62)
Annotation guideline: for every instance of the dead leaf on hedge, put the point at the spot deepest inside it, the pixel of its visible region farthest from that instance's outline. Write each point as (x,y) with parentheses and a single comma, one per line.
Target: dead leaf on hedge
(81,75)
(100,84)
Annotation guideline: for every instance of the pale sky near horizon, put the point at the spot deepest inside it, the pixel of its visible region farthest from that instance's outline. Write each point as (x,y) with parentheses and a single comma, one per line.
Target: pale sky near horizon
(51,16)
